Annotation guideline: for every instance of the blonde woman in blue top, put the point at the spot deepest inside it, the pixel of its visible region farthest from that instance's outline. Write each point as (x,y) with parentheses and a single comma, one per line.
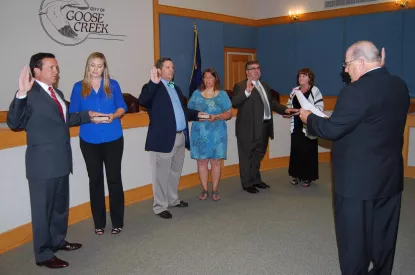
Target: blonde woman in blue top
(102,143)
(208,139)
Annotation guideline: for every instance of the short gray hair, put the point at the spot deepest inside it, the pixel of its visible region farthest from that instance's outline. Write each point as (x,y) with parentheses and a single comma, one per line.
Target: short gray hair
(367,50)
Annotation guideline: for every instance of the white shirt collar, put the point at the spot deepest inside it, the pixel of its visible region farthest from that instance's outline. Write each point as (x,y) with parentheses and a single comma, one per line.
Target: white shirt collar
(371,70)
(43,85)
(46,88)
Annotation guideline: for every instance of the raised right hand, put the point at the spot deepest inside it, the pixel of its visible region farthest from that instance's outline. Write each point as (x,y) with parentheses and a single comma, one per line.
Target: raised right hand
(25,81)
(249,85)
(154,76)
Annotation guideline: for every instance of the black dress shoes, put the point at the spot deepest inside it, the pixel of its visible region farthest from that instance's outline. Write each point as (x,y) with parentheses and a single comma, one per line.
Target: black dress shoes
(165,215)
(55,262)
(251,189)
(182,204)
(262,185)
(70,246)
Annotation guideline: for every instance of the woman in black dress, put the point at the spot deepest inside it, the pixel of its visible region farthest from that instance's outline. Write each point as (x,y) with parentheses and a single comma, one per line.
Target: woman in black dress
(304,147)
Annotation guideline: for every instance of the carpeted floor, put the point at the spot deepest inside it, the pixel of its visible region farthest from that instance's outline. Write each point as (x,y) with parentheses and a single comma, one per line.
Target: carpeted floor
(284,230)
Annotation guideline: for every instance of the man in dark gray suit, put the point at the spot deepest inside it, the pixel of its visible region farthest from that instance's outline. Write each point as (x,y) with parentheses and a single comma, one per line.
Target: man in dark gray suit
(40,110)
(254,124)
(367,128)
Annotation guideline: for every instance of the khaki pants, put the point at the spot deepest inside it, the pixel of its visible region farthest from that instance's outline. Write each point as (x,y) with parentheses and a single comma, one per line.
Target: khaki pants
(166,170)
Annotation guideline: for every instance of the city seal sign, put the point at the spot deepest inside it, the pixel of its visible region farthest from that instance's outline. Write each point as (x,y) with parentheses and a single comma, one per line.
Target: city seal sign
(71,22)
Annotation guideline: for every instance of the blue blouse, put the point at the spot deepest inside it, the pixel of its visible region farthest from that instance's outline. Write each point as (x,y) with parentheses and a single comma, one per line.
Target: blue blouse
(99,102)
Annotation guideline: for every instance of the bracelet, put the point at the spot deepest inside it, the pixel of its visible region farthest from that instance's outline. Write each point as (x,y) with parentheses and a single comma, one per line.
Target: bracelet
(217,116)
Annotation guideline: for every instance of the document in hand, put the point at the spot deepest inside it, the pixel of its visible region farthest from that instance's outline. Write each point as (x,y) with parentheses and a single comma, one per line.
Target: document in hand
(306,105)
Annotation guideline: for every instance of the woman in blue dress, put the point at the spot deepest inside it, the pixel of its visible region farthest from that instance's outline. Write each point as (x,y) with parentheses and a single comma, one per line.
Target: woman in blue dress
(208,139)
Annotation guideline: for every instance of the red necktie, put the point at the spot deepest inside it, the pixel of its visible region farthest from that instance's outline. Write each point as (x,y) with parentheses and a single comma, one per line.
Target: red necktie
(53,95)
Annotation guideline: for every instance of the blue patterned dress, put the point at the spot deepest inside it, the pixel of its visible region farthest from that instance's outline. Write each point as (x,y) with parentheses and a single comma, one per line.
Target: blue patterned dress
(208,140)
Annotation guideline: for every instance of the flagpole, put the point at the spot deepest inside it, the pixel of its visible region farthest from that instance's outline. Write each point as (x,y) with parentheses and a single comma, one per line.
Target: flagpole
(196,77)
(194,51)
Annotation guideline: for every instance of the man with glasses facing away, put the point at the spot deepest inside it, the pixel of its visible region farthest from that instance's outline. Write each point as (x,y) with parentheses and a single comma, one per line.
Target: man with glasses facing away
(366,127)
(254,124)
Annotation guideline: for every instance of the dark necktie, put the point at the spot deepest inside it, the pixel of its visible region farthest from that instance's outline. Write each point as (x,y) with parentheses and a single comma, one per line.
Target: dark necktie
(262,94)
(53,95)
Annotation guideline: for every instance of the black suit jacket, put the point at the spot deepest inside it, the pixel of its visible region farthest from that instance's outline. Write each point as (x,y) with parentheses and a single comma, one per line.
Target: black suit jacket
(161,133)
(48,153)
(367,127)
(250,115)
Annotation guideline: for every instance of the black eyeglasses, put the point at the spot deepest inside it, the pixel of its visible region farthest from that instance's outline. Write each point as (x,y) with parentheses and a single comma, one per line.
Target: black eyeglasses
(254,68)
(346,64)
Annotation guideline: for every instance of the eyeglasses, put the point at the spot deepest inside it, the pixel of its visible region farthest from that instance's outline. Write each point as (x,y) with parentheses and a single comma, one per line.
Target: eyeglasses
(346,64)
(209,77)
(254,68)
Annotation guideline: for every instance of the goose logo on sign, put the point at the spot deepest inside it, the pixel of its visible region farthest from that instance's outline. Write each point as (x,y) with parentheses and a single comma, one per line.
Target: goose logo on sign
(71,22)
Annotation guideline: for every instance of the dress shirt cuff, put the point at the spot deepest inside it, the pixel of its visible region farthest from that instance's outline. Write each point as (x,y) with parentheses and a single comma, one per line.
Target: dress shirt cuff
(247,94)
(20,97)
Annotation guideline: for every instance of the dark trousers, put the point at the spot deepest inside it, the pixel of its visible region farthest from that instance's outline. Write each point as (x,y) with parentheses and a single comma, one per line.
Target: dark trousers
(366,232)
(49,201)
(303,157)
(110,154)
(250,155)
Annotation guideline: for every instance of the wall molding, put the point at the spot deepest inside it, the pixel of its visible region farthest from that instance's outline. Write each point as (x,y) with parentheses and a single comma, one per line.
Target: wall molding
(3,116)
(329,101)
(156,30)
(319,15)
(196,14)
(23,234)
(327,14)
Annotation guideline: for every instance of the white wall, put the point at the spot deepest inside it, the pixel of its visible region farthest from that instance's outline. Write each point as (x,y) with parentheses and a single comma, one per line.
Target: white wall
(259,9)
(129,61)
(276,8)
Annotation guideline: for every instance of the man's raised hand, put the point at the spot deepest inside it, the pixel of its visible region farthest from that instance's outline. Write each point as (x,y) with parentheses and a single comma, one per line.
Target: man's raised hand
(25,81)
(154,76)
(249,85)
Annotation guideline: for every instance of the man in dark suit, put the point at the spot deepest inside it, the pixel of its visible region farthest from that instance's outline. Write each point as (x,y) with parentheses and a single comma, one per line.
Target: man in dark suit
(366,127)
(40,110)
(167,135)
(254,124)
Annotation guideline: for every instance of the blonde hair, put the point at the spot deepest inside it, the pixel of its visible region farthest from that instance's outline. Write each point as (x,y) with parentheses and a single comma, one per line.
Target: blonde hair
(86,82)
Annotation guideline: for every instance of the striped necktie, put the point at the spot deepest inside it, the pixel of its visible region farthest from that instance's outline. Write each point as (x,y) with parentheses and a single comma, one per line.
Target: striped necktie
(262,94)
(53,95)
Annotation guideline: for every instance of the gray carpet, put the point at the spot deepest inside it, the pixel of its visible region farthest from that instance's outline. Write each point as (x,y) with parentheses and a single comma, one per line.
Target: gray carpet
(284,230)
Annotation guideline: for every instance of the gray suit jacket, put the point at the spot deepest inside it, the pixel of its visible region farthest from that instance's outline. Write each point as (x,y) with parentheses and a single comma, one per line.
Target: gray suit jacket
(48,153)
(250,115)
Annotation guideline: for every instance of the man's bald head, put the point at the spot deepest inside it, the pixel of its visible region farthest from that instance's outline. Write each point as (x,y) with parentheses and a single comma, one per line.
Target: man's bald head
(366,50)
(361,57)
